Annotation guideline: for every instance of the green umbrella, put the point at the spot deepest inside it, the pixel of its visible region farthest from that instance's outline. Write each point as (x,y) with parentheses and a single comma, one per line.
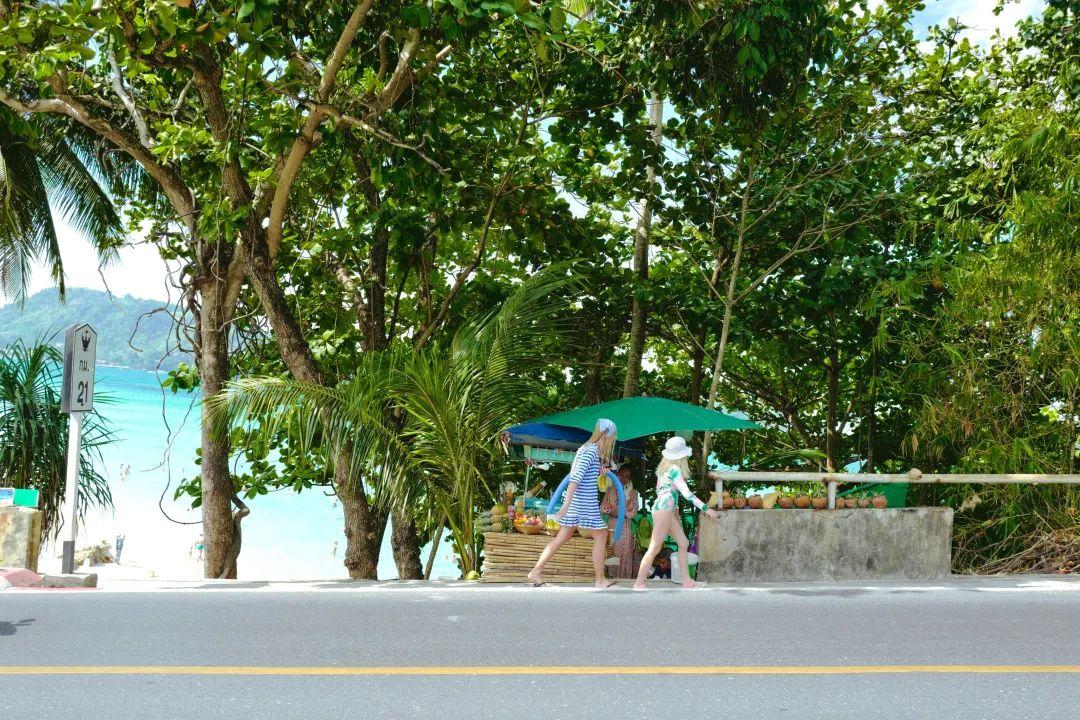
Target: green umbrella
(638,416)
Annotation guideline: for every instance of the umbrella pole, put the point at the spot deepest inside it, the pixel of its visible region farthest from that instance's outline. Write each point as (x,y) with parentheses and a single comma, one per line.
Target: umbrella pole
(528,469)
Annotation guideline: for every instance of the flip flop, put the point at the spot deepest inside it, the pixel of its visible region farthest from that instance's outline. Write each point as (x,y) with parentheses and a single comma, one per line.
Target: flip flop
(537,584)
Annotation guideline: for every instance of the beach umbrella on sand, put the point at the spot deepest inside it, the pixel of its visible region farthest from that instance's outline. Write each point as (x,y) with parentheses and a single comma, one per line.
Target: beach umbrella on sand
(640,416)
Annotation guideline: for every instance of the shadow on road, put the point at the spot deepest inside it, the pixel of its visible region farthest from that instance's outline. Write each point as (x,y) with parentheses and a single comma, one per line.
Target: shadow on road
(10,628)
(822,592)
(233,586)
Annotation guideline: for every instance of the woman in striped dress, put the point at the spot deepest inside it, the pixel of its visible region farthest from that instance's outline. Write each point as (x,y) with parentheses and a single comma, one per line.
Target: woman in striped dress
(581,507)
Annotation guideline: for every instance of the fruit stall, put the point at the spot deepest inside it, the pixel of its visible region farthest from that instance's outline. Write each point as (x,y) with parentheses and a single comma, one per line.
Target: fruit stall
(517,529)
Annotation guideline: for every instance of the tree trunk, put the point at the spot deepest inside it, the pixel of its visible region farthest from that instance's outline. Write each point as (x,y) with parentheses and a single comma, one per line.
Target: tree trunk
(832,401)
(871,412)
(605,342)
(436,540)
(364,528)
(217,486)
(406,547)
(729,303)
(729,296)
(697,362)
(242,511)
(697,376)
(640,308)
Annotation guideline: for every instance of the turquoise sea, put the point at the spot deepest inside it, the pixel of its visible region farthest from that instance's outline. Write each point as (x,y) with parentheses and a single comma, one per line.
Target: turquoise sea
(287,536)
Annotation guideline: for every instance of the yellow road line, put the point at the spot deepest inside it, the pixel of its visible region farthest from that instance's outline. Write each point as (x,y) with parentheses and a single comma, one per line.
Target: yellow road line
(497,670)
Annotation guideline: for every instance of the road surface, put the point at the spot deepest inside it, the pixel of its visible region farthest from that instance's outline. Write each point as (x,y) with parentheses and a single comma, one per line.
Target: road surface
(975,649)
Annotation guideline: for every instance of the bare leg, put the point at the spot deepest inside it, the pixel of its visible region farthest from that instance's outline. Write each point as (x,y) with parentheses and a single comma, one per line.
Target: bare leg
(684,545)
(661,519)
(599,555)
(565,533)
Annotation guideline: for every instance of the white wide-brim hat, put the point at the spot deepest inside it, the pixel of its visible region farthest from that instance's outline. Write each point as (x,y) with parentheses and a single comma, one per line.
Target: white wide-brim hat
(676,449)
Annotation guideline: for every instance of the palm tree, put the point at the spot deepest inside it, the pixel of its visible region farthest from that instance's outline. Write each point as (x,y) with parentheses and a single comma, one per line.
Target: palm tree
(33,435)
(48,165)
(424,424)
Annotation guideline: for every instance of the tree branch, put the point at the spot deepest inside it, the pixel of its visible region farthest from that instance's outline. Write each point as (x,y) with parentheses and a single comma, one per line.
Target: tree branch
(402,77)
(466,271)
(289,165)
(169,180)
(117,81)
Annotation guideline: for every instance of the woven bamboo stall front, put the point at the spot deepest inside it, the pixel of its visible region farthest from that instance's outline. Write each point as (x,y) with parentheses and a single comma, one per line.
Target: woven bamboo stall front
(508,557)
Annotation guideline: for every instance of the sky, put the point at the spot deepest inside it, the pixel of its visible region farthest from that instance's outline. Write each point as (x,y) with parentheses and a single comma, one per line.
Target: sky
(141,273)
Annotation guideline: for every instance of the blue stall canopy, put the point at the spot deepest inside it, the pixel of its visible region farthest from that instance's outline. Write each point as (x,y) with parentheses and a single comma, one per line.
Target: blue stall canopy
(544,442)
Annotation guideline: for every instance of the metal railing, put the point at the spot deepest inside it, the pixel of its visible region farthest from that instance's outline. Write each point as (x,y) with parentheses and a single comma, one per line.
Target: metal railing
(914,475)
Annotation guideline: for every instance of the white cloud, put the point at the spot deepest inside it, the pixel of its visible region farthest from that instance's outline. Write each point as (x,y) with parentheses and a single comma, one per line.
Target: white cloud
(978,16)
(139,271)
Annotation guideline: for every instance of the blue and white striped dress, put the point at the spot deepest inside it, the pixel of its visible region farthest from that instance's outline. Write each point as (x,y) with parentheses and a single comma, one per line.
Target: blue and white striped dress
(584,510)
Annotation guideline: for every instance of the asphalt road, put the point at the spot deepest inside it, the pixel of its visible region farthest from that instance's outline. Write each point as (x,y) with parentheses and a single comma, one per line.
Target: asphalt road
(979,649)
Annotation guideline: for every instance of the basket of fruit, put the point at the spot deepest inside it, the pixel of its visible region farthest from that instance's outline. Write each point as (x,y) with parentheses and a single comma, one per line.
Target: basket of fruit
(533,523)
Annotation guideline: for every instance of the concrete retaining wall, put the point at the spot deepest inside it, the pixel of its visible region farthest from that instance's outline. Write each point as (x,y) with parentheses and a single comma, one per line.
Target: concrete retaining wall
(826,545)
(20,537)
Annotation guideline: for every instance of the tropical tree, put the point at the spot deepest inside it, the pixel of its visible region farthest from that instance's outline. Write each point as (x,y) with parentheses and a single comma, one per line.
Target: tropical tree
(222,105)
(424,423)
(47,166)
(992,374)
(33,435)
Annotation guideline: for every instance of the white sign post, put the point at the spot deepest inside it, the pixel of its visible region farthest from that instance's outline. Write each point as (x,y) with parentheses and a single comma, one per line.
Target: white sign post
(76,398)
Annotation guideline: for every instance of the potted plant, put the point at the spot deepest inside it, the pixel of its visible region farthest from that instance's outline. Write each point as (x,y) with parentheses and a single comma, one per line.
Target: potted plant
(864,500)
(785,501)
(754,502)
(739,499)
(802,501)
(818,499)
(879,501)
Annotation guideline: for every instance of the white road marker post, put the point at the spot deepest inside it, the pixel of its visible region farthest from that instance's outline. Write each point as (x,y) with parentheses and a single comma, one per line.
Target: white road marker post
(76,399)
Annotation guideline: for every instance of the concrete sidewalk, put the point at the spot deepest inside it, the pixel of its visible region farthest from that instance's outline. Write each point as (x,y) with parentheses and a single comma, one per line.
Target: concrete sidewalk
(956,583)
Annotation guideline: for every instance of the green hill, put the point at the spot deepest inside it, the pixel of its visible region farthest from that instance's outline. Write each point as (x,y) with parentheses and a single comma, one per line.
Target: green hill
(44,316)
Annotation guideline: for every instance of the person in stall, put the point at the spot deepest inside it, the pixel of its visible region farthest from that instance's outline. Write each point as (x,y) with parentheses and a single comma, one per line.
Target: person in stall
(624,545)
(672,475)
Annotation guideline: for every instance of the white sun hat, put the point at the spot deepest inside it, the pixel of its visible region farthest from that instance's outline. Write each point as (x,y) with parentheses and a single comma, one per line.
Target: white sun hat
(675,449)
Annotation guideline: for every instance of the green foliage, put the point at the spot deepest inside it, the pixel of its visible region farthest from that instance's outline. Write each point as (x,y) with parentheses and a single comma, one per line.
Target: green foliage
(33,435)
(44,168)
(423,426)
(995,363)
(876,230)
